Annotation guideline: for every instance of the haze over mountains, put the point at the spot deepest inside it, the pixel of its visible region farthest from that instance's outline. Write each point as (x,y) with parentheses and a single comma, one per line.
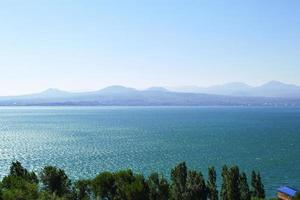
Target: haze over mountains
(273,93)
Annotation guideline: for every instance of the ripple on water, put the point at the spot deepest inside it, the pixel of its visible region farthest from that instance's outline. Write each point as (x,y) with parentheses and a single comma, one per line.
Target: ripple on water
(85,141)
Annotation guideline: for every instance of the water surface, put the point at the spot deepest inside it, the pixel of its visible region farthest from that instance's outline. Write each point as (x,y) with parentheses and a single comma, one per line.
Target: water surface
(87,140)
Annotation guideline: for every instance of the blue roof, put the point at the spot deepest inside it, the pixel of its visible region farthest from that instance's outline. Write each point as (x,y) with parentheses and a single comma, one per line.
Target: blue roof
(287,190)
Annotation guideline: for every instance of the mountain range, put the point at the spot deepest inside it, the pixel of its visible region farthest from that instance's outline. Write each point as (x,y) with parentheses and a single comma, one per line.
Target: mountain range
(273,93)
(270,89)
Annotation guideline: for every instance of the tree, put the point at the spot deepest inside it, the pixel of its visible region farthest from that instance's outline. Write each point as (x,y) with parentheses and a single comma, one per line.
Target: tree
(138,189)
(195,186)
(178,178)
(44,195)
(158,187)
(187,185)
(17,188)
(20,184)
(55,181)
(16,169)
(225,184)
(1,191)
(233,189)
(254,192)
(130,186)
(122,185)
(211,184)
(260,187)
(104,185)
(257,186)
(297,197)
(244,187)
(230,183)
(82,189)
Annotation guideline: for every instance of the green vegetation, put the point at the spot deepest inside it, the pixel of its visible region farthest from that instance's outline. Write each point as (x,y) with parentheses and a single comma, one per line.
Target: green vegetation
(257,186)
(297,197)
(53,184)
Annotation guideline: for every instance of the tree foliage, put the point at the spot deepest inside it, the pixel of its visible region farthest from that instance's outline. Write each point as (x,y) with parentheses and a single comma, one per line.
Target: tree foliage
(16,169)
(185,184)
(257,186)
(82,189)
(55,181)
(195,186)
(297,197)
(244,187)
(178,178)
(212,191)
(104,186)
(19,184)
(225,184)
(158,187)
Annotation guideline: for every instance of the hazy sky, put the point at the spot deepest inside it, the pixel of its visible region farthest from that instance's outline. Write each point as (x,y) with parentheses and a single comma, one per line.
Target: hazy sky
(86,45)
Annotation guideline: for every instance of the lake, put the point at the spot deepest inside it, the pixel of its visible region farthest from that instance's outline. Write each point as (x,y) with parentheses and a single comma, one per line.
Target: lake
(87,140)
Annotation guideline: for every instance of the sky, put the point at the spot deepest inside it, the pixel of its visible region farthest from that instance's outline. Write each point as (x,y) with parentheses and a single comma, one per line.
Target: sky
(87,45)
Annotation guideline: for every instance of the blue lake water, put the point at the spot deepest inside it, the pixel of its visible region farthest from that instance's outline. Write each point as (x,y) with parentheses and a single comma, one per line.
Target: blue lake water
(87,140)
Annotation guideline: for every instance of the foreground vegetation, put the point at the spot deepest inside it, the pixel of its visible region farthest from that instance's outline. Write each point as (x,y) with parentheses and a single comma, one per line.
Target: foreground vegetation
(52,183)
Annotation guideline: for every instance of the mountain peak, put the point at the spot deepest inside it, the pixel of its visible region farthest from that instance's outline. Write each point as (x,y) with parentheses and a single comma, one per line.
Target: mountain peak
(157,89)
(273,82)
(232,86)
(238,84)
(117,89)
(52,90)
(277,85)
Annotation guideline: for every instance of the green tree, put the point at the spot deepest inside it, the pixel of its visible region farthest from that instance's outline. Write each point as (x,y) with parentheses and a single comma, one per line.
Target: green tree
(17,188)
(211,184)
(244,187)
(82,189)
(254,192)
(130,186)
(178,178)
(158,187)
(297,197)
(225,184)
(55,181)
(233,189)
(1,191)
(257,186)
(104,186)
(230,183)
(138,189)
(19,184)
(44,195)
(260,186)
(16,169)
(195,186)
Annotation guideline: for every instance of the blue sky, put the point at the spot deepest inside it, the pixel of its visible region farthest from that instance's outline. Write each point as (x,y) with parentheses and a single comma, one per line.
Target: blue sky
(86,45)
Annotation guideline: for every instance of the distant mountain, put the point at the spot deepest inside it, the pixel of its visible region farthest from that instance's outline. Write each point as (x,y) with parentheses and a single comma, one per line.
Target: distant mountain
(270,89)
(157,89)
(276,89)
(51,93)
(235,88)
(155,96)
(116,89)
